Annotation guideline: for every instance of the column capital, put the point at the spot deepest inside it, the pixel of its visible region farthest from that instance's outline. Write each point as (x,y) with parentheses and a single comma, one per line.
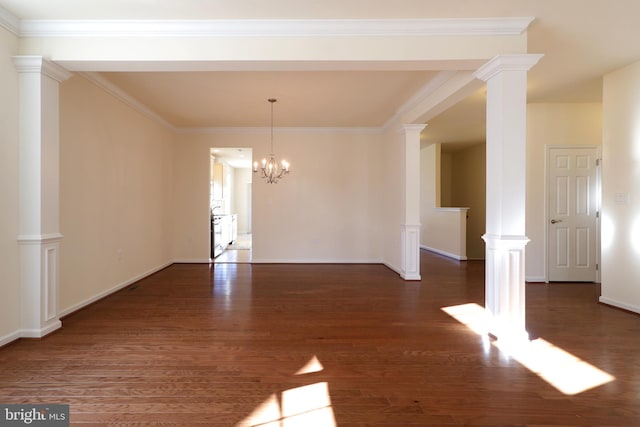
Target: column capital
(408,128)
(507,62)
(39,64)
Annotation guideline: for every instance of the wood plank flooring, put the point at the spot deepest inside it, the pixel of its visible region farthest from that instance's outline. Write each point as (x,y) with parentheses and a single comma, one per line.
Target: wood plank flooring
(223,345)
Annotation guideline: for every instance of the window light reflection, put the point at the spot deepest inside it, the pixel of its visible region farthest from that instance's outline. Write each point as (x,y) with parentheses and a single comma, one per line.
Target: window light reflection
(313,365)
(607,232)
(306,406)
(635,236)
(564,371)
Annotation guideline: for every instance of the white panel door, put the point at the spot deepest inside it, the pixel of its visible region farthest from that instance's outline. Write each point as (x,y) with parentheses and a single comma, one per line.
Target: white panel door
(572,179)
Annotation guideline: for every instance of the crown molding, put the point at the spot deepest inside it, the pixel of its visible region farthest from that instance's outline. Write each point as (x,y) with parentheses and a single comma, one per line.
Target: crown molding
(118,93)
(38,64)
(503,26)
(507,62)
(413,128)
(9,21)
(427,90)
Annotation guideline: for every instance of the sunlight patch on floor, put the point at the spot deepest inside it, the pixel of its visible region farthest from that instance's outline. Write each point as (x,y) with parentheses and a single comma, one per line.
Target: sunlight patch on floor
(471,315)
(564,371)
(313,365)
(305,406)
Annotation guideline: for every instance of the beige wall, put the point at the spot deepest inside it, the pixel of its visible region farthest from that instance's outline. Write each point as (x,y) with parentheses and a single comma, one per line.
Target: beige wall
(430,163)
(442,230)
(620,191)
(390,184)
(242,198)
(430,190)
(551,124)
(115,193)
(446,181)
(469,190)
(9,273)
(323,211)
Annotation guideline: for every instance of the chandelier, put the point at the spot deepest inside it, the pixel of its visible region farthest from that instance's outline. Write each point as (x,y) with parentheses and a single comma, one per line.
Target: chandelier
(270,169)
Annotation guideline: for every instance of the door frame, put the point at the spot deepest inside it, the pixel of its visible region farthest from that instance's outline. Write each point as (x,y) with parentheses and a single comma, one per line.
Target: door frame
(547,217)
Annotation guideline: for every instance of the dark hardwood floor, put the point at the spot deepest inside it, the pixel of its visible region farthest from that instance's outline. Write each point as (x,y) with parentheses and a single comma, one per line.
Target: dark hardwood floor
(224,345)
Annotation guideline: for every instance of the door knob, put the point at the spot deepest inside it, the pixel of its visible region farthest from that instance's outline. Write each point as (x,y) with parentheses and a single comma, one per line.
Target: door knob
(553,221)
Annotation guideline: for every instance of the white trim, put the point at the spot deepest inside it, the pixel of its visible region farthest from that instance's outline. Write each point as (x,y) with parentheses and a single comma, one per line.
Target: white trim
(393,268)
(11,23)
(38,64)
(39,333)
(619,304)
(316,261)
(123,96)
(55,71)
(415,128)
(10,338)
(29,333)
(450,209)
(280,65)
(445,253)
(507,62)
(192,261)
(534,279)
(424,92)
(112,290)
(39,238)
(410,240)
(501,26)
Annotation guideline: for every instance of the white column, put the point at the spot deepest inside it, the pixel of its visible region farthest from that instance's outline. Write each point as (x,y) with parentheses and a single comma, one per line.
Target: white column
(410,227)
(39,193)
(506,78)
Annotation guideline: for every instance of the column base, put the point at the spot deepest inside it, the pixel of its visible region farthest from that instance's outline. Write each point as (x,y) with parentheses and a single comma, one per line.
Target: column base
(39,333)
(39,284)
(505,287)
(411,252)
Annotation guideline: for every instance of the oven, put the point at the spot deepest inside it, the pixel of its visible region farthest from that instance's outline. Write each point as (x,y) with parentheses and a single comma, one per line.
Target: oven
(216,235)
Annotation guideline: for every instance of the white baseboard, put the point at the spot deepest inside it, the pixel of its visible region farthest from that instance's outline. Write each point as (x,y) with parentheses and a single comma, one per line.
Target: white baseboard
(316,261)
(535,279)
(109,291)
(30,333)
(10,337)
(394,268)
(445,253)
(619,304)
(39,333)
(191,261)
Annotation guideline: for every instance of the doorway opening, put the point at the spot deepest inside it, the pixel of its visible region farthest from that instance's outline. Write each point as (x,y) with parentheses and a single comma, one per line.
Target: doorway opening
(230,204)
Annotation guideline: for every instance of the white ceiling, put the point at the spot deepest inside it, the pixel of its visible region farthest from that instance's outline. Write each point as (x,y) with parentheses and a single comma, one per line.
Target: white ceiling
(581,40)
